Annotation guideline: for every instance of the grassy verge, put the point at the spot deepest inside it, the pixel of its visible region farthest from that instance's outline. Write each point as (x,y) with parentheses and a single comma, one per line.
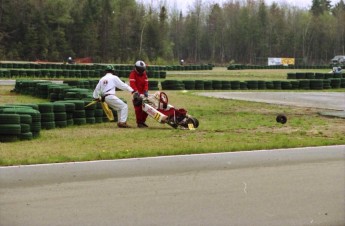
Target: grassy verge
(225,126)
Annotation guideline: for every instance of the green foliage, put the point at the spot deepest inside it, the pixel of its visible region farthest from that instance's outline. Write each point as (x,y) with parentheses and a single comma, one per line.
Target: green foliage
(125,30)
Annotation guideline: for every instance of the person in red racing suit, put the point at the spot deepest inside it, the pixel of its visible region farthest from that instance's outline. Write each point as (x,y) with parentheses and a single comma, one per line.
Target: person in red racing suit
(139,82)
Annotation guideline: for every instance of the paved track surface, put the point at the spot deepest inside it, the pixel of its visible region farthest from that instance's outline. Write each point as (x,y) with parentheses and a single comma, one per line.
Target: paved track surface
(303,186)
(323,100)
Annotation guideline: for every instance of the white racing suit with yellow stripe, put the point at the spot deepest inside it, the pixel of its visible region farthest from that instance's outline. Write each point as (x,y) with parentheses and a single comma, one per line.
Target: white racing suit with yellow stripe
(106,90)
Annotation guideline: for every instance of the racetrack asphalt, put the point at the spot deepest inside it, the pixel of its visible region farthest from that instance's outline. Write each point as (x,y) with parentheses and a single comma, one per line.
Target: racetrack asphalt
(322,100)
(299,186)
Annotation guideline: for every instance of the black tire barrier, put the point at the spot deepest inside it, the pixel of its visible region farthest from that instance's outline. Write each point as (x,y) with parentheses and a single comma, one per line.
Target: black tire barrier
(226,85)
(262,85)
(335,83)
(277,85)
(172,85)
(269,85)
(235,85)
(31,70)
(286,85)
(216,84)
(243,85)
(252,84)
(199,85)
(342,83)
(312,75)
(316,84)
(153,85)
(189,84)
(243,67)
(304,84)
(326,84)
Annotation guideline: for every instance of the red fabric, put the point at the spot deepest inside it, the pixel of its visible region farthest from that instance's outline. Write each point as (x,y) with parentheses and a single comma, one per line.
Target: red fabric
(83,60)
(140,115)
(139,83)
(173,112)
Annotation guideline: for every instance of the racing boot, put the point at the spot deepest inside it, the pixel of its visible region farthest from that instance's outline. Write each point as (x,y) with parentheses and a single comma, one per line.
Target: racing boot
(123,125)
(142,125)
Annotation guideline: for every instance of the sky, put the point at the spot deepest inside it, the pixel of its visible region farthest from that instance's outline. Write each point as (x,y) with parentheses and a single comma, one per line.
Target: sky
(184,5)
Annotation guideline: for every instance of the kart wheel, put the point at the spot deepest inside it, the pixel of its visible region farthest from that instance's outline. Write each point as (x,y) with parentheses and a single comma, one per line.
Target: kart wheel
(194,121)
(281,119)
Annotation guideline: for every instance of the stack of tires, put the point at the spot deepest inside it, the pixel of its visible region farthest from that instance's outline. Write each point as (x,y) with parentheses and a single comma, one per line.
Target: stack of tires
(90,113)
(70,108)
(189,84)
(269,85)
(79,114)
(262,85)
(316,84)
(47,115)
(277,85)
(208,85)
(286,85)
(29,124)
(304,84)
(243,85)
(199,85)
(99,113)
(216,84)
(153,85)
(294,84)
(172,85)
(235,85)
(326,84)
(10,127)
(252,84)
(335,83)
(342,83)
(60,115)
(226,85)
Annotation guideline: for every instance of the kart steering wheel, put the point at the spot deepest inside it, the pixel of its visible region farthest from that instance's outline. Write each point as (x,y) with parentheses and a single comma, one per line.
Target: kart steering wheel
(163,98)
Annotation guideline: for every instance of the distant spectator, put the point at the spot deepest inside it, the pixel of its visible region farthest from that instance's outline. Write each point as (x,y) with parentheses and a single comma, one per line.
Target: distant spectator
(70,60)
(181,61)
(336,70)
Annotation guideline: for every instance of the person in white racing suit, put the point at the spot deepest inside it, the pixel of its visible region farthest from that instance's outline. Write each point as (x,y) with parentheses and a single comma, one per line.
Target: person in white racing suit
(106,90)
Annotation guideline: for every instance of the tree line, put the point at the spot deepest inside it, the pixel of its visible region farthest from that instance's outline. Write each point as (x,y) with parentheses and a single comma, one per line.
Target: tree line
(123,31)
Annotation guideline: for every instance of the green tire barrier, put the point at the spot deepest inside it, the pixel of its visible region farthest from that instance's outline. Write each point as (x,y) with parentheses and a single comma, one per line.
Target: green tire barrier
(189,84)
(243,67)
(235,85)
(277,85)
(208,85)
(252,84)
(216,84)
(199,85)
(153,85)
(47,115)
(335,83)
(316,84)
(286,85)
(226,85)
(172,85)
(312,75)
(29,123)
(243,85)
(262,85)
(342,83)
(294,84)
(326,84)
(269,85)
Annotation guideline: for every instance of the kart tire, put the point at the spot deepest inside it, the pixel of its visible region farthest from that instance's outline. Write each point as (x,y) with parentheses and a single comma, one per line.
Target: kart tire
(281,119)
